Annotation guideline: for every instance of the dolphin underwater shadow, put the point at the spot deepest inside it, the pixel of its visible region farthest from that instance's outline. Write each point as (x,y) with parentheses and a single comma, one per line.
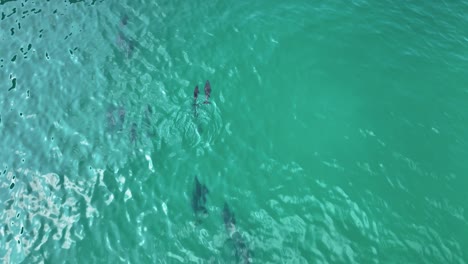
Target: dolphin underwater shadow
(199,198)
(242,251)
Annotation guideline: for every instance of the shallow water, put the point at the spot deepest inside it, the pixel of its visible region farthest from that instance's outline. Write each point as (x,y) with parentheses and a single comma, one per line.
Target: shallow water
(336,132)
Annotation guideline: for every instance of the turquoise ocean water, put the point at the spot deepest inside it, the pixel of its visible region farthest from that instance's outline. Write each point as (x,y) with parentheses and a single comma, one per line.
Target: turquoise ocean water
(337,131)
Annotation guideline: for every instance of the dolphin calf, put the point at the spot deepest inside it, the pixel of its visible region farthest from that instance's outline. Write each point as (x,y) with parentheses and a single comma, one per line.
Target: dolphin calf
(242,251)
(207,92)
(199,197)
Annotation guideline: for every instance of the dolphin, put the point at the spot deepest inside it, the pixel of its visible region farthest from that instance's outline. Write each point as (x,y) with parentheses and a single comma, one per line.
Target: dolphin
(124,20)
(115,118)
(241,248)
(111,119)
(229,219)
(133,133)
(148,112)
(195,93)
(121,114)
(125,44)
(149,109)
(195,97)
(147,120)
(199,197)
(207,92)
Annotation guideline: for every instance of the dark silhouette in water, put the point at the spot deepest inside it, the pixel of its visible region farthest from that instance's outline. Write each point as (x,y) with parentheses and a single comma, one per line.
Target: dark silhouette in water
(110,119)
(149,109)
(147,121)
(148,112)
(125,44)
(195,104)
(124,20)
(195,94)
(242,251)
(228,218)
(113,121)
(121,116)
(207,92)
(133,133)
(199,198)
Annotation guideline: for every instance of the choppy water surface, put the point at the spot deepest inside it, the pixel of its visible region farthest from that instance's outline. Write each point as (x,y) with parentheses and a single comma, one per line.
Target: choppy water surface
(336,132)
